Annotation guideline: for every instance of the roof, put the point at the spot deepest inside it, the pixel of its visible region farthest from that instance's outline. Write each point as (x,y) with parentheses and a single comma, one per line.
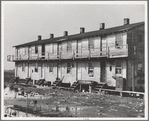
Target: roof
(82,35)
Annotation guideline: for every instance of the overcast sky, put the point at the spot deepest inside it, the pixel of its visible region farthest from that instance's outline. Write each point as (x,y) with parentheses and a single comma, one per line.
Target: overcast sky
(24,22)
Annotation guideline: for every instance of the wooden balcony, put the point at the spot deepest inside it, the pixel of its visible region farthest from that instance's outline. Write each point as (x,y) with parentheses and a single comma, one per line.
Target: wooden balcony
(98,52)
(82,54)
(110,52)
(67,55)
(118,52)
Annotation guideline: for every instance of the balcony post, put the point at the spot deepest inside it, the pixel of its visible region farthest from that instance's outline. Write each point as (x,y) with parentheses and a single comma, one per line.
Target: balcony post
(73,54)
(89,53)
(48,56)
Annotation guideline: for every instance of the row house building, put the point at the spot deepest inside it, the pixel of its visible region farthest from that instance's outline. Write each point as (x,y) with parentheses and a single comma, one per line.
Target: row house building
(88,56)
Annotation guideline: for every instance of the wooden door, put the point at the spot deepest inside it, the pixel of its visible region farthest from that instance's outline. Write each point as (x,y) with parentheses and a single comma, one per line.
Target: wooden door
(42,70)
(43,49)
(79,47)
(79,71)
(59,71)
(103,71)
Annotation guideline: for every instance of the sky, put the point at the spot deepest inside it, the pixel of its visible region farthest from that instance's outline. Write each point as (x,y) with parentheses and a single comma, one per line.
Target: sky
(23,23)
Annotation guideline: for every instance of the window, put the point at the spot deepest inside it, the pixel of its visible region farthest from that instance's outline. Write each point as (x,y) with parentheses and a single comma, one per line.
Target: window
(69,67)
(119,40)
(118,67)
(69,46)
(91,44)
(90,69)
(36,49)
(36,67)
(50,67)
(23,66)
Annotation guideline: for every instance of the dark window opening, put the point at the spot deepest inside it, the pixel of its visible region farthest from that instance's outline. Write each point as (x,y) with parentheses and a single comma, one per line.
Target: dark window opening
(69,67)
(118,67)
(119,40)
(90,70)
(36,49)
(23,66)
(50,67)
(36,67)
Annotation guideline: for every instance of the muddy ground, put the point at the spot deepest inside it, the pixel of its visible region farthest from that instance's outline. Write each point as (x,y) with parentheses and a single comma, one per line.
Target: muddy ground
(84,104)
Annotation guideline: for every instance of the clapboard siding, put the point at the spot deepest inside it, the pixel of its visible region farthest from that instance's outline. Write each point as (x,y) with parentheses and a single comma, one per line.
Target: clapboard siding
(68,77)
(50,76)
(84,71)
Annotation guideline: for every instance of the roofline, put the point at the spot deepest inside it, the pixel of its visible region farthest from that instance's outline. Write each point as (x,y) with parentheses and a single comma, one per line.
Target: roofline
(64,38)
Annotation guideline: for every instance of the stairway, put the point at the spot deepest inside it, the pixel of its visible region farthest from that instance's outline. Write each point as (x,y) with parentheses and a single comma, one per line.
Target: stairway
(99,86)
(56,83)
(74,86)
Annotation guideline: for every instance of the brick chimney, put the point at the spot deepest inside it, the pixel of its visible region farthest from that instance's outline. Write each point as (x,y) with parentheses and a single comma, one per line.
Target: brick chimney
(82,30)
(102,26)
(65,33)
(126,21)
(51,36)
(39,37)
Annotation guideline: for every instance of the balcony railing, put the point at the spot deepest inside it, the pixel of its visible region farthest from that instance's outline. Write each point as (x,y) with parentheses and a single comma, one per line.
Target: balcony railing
(119,51)
(67,55)
(110,52)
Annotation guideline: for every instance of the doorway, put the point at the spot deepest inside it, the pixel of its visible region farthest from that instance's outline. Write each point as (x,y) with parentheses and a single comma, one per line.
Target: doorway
(59,71)
(42,70)
(43,51)
(103,71)
(79,71)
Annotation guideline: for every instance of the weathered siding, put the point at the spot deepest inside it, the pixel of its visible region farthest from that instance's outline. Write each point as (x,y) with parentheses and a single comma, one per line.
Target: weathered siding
(97,43)
(68,77)
(83,71)
(50,76)
(74,45)
(22,74)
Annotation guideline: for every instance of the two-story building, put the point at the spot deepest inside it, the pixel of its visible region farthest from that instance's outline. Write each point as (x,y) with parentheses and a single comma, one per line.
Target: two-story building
(97,55)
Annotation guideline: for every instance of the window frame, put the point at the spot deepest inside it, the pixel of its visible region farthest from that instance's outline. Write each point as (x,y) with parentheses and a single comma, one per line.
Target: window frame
(36,67)
(91,42)
(118,67)
(118,38)
(23,67)
(36,49)
(69,68)
(51,67)
(69,46)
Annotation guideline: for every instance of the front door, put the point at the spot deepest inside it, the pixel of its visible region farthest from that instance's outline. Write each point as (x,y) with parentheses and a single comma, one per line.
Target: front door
(42,70)
(79,71)
(43,50)
(103,71)
(59,71)
(79,47)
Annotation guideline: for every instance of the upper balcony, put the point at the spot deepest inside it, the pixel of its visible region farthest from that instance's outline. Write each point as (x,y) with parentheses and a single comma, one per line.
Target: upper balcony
(109,52)
(118,52)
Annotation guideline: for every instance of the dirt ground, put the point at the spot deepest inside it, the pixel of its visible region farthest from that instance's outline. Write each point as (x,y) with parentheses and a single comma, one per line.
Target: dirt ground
(84,104)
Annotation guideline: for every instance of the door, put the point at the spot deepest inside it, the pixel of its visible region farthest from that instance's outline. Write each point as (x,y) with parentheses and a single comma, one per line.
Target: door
(79,71)
(42,70)
(79,47)
(43,49)
(30,71)
(59,71)
(103,71)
